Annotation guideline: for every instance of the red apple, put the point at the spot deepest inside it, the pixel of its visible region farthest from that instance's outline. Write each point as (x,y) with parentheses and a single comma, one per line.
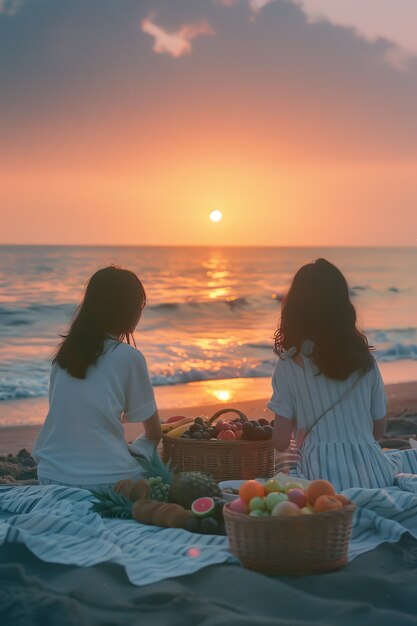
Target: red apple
(287,509)
(223,426)
(298,497)
(226,434)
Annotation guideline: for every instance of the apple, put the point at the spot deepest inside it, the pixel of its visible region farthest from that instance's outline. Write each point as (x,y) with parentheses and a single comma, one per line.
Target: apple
(239,506)
(223,426)
(286,509)
(257,503)
(225,435)
(306,511)
(291,485)
(273,485)
(274,498)
(298,497)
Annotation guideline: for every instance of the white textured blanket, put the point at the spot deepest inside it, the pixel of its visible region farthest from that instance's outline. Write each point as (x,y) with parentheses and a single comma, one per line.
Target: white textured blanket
(56,524)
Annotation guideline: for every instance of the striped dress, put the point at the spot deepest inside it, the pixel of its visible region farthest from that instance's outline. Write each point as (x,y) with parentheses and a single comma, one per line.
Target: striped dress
(341,447)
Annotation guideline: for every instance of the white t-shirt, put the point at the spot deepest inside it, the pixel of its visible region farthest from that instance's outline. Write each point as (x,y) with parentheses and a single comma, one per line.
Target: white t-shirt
(82,440)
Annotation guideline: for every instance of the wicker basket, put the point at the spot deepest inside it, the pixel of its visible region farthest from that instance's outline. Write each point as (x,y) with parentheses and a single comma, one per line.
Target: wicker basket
(223,460)
(308,544)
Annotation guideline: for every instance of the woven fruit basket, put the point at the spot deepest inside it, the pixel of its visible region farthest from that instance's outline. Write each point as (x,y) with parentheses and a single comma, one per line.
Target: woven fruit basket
(223,460)
(308,544)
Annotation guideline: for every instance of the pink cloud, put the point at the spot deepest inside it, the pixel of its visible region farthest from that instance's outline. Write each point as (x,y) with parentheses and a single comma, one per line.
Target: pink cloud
(398,58)
(175,43)
(257,5)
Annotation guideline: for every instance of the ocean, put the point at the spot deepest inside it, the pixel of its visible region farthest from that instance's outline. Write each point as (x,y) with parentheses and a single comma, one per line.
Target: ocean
(211,312)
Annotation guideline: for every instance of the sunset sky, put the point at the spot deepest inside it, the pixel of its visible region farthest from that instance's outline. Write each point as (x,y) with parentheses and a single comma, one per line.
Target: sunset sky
(129,121)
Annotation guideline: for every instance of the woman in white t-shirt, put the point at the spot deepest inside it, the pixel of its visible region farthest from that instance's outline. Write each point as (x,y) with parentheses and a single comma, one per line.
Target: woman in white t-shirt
(98,382)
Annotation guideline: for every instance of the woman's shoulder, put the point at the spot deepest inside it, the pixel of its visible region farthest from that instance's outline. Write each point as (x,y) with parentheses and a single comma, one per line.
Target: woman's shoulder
(124,352)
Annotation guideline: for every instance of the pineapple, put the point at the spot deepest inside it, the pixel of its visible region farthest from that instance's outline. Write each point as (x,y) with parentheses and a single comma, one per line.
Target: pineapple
(189,486)
(165,486)
(182,488)
(112,504)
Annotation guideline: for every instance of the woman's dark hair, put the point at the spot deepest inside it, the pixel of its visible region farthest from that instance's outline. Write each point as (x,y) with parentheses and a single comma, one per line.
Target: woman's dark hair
(112,305)
(318,307)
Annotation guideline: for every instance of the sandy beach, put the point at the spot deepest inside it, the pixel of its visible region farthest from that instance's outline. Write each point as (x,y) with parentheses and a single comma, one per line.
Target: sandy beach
(402,418)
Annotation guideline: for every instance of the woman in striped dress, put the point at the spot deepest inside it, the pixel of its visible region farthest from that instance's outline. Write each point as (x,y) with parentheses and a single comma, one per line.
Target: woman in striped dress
(327,388)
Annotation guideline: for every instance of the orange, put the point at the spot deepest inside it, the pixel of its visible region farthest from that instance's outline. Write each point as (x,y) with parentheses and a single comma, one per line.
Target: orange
(319,488)
(343,499)
(251,489)
(327,503)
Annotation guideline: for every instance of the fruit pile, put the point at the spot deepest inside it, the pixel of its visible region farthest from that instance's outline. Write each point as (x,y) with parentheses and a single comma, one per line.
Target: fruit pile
(190,500)
(239,428)
(174,423)
(272,498)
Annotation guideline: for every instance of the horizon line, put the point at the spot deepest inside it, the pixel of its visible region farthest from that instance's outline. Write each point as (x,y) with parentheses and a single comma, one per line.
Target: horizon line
(132,245)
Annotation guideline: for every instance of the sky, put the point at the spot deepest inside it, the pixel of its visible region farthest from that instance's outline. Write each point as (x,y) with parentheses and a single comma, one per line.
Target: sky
(129,121)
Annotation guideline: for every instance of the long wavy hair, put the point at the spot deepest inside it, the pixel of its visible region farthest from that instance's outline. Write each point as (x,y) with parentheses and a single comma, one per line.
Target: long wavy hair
(318,307)
(112,306)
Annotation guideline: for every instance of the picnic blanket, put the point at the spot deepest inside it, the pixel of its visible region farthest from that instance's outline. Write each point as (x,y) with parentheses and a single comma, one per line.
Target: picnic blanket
(56,524)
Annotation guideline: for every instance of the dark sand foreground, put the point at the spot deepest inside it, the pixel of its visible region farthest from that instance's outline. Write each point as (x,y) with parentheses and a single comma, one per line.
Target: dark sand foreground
(376,589)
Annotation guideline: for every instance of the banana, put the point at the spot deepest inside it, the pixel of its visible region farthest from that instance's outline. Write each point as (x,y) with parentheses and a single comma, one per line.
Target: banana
(177,432)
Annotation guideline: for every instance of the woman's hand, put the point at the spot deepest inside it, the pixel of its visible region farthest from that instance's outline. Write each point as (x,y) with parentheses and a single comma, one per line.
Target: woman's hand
(283,429)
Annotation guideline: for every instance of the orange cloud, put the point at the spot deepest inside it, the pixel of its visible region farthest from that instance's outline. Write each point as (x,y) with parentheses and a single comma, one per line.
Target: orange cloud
(175,43)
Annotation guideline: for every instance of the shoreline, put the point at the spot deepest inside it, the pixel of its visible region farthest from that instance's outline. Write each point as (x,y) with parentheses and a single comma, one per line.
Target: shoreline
(402,414)
(186,396)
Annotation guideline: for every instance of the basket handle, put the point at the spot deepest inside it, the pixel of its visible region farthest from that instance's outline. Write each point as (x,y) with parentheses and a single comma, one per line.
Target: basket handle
(216,415)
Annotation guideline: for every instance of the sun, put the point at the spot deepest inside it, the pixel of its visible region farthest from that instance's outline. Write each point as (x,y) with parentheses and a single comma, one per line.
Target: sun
(216,216)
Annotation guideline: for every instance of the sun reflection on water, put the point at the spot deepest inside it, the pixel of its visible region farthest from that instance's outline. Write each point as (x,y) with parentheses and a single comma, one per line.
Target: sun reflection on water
(222,394)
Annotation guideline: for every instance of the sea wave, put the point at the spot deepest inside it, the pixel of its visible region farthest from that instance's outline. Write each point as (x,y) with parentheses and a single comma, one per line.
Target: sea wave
(216,303)
(33,381)
(30,312)
(397,352)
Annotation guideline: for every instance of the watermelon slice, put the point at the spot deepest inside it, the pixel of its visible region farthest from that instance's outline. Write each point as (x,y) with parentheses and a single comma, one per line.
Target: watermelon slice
(174,418)
(203,507)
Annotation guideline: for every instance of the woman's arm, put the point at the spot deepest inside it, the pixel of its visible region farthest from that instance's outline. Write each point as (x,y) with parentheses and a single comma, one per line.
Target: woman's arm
(152,428)
(283,429)
(145,444)
(379,427)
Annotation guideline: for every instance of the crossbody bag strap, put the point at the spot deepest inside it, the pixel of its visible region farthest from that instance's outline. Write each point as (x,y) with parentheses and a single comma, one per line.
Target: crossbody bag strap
(335,403)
